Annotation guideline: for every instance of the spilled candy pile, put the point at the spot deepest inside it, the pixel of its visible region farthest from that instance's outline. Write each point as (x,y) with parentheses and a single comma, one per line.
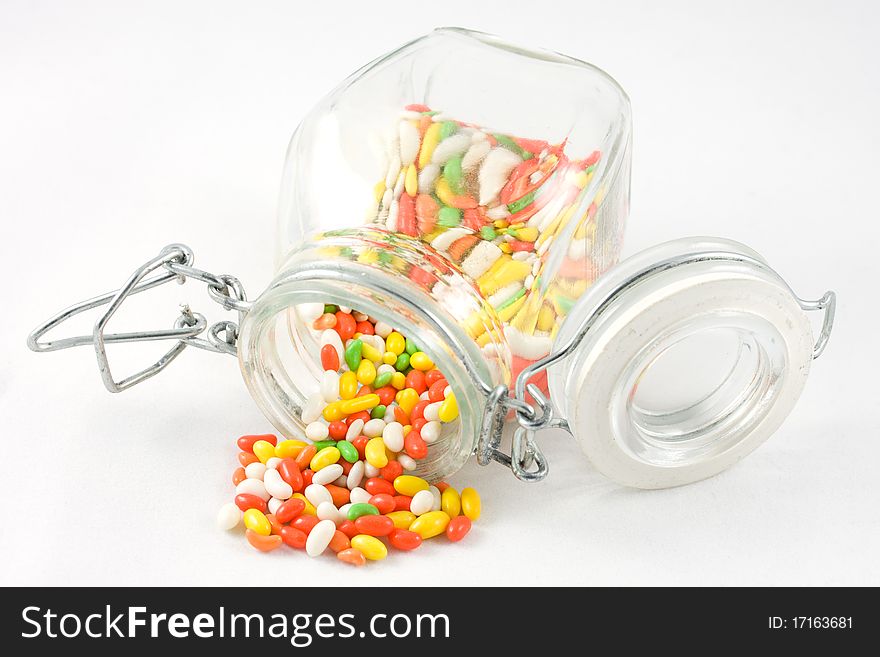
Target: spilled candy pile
(380,406)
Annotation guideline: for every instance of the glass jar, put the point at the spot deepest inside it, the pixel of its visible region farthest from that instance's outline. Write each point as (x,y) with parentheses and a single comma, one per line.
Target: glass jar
(472,194)
(463,190)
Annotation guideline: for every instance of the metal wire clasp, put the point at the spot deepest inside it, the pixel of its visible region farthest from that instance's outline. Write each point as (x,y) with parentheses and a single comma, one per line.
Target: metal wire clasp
(176,260)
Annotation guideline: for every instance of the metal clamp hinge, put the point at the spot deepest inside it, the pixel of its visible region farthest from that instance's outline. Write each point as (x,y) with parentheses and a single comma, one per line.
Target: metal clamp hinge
(176,260)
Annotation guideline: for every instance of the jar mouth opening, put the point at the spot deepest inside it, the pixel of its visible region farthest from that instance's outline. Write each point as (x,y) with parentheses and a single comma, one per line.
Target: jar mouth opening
(280,360)
(698,390)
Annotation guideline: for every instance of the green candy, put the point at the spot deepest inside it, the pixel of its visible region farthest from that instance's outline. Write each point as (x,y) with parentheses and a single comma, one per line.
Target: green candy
(447,129)
(347,451)
(385,257)
(321,444)
(453,176)
(355,511)
(565,303)
(509,144)
(402,362)
(382,380)
(346,252)
(411,347)
(512,300)
(488,233)
(330,308)
(353,354)
(521,203)
(378,412)
(448,217)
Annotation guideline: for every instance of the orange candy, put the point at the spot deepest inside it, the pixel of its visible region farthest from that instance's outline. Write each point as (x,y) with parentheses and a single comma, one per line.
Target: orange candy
(305,523)
(295,538)
(374,525)
(345,325)
(403,539)
(246,458)
(290,509)
(305,457)
(290,473)
(352,556)
(457,528)
(347,527)
(273,521)
(339,542)
(375,486)
(329,358)
(238,476)
(263,543)
(246,443)
(340,494)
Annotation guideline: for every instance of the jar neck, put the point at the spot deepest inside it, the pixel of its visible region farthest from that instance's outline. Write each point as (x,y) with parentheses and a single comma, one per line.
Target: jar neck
(396,280)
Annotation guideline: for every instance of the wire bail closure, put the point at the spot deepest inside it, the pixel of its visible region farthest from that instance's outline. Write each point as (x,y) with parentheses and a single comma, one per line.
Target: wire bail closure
(176,260)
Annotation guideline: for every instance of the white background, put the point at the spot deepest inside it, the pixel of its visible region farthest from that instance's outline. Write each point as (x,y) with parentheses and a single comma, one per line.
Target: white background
(126,126)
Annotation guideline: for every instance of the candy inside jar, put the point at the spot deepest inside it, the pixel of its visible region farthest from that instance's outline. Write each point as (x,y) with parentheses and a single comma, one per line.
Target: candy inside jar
(464,192)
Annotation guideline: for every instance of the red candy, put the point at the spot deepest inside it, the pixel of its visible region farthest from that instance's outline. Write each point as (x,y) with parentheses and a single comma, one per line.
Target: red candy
(435,392)
(289,510)
(418,411)
(329,358)
(401,502)
(403,539)
(245,501)
(337,429)
(415,446)
(290,472)
(305,523)
(391,471)
(360,415)
(347,527)
(374,525)
(295,538)
(416,380)
(345,325)
(457,528)
(383,501)
(375,486)
(418,424)
(246,443)
(364,328)
(360,444)
(386,395)
(432,376)
(307,475)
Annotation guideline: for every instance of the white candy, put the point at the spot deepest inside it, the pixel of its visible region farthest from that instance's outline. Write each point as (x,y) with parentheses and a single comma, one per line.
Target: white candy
(406,462)
(317,431)
(577,249)
(432,411)
(393,211)
(374,428)
(422,502)
(328,511)
(327,474)
(389,413)
(494,172)
(330,386)
(313,407)
(409,142)
(255,470)
(273,463)
(424,396)
(437,497)
(392,436)
(253,487)
(276,486)
(427,178)
(344,509)
(498,212)
(430,431)
(530,347)
(478,150)
(316,493)
(355,476)
(521,255)
(370,471)
(530,280)
(359,495)
(341,480)
(273,504)
(354,430)
(505,293)
(383,368)
(481,257)
(393,172)
(229,516)
(320,537)
(345,309)
(447,237)
(450,147)
(329,336)
(309,312)
(382,329)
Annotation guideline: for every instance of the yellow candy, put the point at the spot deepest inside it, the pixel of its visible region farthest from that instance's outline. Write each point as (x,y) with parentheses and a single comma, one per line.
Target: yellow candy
(375,452)
(406,429)
(348,385)
(310,509)
(527,234)
(450,502)
(444,193)
(398,380)
(358,404)
(370,546)
(401,519)
(448,410)
(370,352)
(430,524)
(379,190)
(407,399)
(511,310)
(366,372)
(333,411)
(409,484)
(505,248)
(420,361)
(411,182)
(327,456)
(395,343)
(264,450)
(289,448)
(546,317)
(509,271)
(498,223)
(389,358)
(470,503)
(368,257)
(429,143)
(256,521)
